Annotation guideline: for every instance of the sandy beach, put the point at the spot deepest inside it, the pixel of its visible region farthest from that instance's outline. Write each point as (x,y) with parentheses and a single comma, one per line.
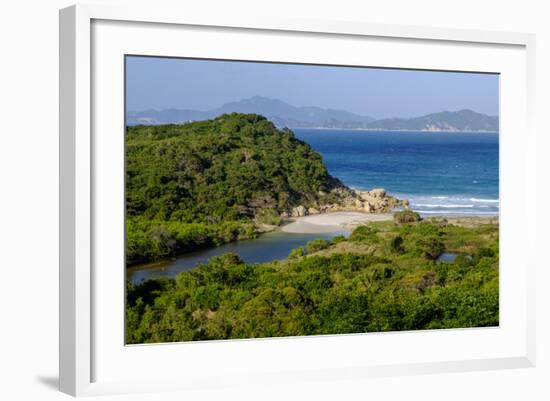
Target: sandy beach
(336,221)
(331,222)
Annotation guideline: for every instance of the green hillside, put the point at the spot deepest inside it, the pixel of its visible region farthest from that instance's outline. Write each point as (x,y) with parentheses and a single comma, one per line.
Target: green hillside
(205,183)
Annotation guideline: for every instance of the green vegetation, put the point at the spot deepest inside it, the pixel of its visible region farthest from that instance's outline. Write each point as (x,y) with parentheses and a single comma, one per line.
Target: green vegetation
(269,217)
(205,183)
(385,277)
(364,234)
(406,216)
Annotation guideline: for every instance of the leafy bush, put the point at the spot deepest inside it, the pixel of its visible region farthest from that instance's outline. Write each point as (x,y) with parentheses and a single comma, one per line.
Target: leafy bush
(430,247)
(338,239)
(396,244)
(406,216)
(269,217)
(317,245)
(485,252)
(296,253)
(153,240)
(363,234)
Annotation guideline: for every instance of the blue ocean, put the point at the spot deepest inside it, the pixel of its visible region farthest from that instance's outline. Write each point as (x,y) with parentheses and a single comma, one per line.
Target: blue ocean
(451,173)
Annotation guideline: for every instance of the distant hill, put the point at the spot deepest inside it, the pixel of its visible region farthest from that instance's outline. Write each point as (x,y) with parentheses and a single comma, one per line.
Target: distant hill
(463,120)
(280,113)
(285,115)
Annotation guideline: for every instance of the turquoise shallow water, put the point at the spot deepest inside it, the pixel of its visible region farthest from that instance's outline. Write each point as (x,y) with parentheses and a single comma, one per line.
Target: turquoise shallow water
(440,173)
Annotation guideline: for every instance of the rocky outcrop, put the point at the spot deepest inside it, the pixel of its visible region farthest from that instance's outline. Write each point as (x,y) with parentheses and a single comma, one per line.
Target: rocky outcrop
(373,201)
(299,211)
(377,201)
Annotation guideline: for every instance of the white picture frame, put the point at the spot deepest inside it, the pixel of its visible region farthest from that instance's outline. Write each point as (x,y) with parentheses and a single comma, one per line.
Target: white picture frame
(92,38)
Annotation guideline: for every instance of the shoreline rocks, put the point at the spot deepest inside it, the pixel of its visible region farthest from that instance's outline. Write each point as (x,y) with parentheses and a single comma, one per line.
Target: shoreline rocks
(298,211)
(374,201)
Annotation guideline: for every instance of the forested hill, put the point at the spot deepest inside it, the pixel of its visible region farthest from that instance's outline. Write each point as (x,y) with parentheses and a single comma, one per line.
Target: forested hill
(208,182)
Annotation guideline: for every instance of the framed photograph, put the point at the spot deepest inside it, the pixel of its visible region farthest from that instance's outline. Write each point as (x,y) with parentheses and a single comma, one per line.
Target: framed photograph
(272,200)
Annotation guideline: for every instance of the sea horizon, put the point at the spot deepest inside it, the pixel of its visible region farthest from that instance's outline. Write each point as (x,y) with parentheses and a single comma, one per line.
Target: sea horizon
(434,131)
(445,173)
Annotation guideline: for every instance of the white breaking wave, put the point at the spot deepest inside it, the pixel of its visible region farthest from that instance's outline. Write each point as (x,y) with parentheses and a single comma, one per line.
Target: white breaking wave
(444,206)
(485,200)
(453,205)
(460,204)
(461,213)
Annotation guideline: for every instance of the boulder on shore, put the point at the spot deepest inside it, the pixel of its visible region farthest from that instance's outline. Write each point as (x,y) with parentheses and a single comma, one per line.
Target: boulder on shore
(373,201)
(298,211)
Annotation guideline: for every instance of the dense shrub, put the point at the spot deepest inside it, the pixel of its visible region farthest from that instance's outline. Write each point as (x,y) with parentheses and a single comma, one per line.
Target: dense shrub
(268,216)
(153,240)
(396,244)
(338,239)
(406,216)
(363,234)
(296,253)
(430,247)
(317,245)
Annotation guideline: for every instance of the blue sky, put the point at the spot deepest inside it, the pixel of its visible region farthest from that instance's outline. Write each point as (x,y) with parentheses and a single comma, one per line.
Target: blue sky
(162,83)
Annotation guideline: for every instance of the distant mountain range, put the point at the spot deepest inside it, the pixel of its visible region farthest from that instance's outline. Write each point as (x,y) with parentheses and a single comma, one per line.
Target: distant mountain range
(285,115)
(463,120)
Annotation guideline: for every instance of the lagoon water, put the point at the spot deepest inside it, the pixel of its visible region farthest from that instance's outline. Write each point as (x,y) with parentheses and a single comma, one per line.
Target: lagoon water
(440,173)
(270,246)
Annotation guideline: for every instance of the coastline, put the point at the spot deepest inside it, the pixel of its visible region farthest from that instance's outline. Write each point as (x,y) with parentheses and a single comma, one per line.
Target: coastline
(331,222)
(338,221)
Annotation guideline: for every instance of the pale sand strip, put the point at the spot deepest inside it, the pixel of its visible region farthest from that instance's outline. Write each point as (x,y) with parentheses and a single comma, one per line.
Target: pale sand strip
(331,222)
